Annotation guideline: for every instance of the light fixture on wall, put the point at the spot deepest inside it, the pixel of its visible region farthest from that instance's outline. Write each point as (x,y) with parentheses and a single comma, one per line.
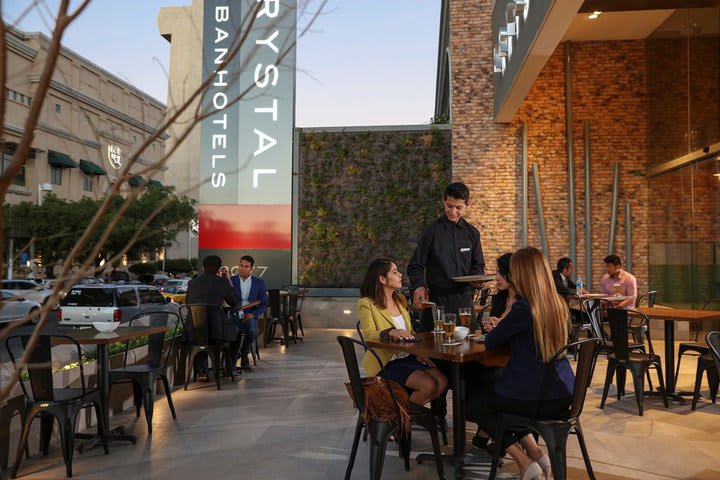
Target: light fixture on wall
(717,167)
(498,60)
(502,50)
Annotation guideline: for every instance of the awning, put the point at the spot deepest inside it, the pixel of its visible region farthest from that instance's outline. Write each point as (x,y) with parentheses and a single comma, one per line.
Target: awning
(155,183)
(91,168)
(61,160)
(136,181)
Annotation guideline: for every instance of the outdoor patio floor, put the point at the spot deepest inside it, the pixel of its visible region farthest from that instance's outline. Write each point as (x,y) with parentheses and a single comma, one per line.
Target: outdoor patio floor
(291,418)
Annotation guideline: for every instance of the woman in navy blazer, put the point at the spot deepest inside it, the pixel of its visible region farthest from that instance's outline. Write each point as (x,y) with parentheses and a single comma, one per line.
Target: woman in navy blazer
(534,329)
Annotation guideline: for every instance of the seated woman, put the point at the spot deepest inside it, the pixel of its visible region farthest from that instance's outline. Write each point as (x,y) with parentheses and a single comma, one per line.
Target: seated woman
(534,329)
(383,314)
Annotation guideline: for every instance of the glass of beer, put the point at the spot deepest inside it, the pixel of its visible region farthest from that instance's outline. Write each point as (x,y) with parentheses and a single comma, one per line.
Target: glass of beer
(449,327)
(616,289)
(438,319)
(465,316)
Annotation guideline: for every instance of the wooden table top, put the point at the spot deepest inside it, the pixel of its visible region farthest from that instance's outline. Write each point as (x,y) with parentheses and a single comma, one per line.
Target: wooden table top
(90,336)
(679,314)
(431,346)
(610,298)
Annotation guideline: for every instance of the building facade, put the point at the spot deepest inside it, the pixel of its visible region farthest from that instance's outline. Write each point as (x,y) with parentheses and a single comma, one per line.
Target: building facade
(91,122)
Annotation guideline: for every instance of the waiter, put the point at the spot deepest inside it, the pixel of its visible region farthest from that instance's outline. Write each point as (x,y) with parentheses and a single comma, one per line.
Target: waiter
(449,247)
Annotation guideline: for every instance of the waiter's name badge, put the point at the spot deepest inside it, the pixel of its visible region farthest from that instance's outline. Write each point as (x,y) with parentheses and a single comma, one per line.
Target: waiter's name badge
(462,250)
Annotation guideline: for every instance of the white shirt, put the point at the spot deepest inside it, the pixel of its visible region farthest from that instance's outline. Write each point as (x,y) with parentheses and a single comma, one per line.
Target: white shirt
(399,322)
(244,293)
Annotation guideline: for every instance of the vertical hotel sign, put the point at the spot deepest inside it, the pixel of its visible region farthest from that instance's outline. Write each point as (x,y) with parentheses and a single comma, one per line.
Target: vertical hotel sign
(246,140)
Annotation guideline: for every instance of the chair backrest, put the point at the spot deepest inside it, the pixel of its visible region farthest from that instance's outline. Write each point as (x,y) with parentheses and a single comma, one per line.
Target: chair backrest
(651,298)
(587,355)
(347,345)
(39,363)
(483,298)
(203,323)
(618,320)
(713,341)
(591,309)
(156,342)
(274,302)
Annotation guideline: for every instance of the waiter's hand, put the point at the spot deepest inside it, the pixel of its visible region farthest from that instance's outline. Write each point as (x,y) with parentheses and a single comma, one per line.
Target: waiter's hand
(419,296)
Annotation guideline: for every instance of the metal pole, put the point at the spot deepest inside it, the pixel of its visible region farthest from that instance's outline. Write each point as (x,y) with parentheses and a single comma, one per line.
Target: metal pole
(588,217)
(164,257)
(538,204)
(613,212)
(10,258)
(570,139)
(628,238)
(523,169)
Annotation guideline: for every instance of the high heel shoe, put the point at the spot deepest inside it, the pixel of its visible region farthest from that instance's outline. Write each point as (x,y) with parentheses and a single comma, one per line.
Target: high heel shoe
(533,472)
(544,463)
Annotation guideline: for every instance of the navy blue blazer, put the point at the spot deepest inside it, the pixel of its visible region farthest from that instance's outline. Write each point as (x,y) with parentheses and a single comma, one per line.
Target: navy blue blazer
(523,376)
(257,292)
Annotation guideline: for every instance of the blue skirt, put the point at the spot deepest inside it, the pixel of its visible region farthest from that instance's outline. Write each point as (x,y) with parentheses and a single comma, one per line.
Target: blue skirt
(399,370)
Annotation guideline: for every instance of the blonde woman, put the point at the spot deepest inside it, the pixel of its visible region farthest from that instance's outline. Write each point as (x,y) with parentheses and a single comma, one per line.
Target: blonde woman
(383,314)
(534,329)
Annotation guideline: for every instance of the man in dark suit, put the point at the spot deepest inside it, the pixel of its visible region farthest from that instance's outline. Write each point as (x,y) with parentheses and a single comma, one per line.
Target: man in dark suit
(563,284)
(248,289)
(211,289)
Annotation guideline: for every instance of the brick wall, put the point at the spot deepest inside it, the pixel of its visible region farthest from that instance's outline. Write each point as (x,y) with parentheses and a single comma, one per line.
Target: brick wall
(609,89)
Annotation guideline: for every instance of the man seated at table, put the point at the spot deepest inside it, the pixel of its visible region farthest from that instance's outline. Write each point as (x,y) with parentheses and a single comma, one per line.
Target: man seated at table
(211,289)
(248,289)
(617,276)
(563,284)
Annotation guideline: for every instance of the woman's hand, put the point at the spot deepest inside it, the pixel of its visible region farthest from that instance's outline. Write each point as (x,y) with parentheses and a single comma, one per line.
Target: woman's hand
(399,334)
(489,323)
(425,361)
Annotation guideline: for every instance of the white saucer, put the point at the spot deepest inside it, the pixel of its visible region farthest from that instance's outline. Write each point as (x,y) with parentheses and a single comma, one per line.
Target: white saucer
(451,344)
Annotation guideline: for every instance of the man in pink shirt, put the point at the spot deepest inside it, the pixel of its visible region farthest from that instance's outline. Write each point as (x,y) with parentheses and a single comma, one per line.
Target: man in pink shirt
(617,276)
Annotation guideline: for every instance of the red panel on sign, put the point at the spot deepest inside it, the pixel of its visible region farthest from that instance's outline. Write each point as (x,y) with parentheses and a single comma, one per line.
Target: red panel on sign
(245,226)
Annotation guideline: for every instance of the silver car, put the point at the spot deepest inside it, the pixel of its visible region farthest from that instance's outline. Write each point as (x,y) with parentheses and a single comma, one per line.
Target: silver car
(27,289)
(15,307)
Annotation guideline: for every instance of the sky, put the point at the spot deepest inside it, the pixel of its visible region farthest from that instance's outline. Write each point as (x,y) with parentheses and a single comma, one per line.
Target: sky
(364,62)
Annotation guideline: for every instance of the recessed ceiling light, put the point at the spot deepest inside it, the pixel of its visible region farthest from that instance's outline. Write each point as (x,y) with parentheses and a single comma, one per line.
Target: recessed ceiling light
(594,15)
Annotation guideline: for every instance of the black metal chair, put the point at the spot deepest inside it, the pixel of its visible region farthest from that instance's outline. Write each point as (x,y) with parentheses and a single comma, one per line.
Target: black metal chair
(293,314)
(297,298)
(638,332)
(623,358)
(707,364)
(380,431)
(52,403)
(695,347)
(276,316)
(555,431)
(144,376)
(204,331)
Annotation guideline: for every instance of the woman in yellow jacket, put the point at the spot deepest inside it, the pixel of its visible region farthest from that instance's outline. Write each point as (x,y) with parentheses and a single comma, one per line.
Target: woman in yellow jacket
(383,314)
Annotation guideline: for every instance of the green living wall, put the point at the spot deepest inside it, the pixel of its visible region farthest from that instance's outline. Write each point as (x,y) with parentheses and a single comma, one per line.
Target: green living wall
(366,194)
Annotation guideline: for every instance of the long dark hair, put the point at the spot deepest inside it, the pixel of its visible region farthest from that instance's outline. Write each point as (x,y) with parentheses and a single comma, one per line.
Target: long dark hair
(499,301)
(371,286)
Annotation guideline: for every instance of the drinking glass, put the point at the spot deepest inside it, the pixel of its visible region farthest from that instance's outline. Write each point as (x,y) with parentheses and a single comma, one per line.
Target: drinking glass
(439,313)
(616,289)
(465,315)
(449,328)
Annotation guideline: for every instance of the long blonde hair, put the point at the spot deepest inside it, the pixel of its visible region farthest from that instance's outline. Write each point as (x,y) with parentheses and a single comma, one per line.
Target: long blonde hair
(533,281)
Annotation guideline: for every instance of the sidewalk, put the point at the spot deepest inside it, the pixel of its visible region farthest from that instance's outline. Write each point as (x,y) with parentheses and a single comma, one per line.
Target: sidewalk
(291,418)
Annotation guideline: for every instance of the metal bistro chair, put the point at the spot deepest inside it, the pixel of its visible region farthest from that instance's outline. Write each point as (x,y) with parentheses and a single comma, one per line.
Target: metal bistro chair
(204,331)
(555,431)
(52,403)
(380,431)
(297,298)
(695,347)
(623,358)
(276,316)
(710,363)
(144,376)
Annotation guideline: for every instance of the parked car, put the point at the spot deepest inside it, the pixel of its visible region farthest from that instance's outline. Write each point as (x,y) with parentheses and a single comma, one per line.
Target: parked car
(27,289)
(15,307)
(153,278)
(174,293)
(119,276)
(85,304)
(175,284)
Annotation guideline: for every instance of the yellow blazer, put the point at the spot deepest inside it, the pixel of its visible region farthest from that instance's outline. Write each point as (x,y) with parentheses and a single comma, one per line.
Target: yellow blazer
(374,320)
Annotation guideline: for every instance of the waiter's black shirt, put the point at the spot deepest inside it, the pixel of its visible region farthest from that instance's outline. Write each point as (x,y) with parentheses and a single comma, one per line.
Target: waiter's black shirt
(446,250)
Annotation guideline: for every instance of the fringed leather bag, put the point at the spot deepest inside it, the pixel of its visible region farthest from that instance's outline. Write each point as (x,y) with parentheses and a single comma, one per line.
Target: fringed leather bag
(379,402)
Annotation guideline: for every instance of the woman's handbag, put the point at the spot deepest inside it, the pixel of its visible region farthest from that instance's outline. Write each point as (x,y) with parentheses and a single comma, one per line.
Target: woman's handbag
(379,403)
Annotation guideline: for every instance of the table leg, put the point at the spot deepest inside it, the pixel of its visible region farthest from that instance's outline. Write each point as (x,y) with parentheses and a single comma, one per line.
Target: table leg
(103,385)
(670,362)
(458,399)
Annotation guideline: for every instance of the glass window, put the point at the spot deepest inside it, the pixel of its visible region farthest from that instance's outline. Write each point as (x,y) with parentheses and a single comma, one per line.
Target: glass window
(127,297)
(88,297)
(56,175)
(88,183)
(14,94)
(57,108)
(151,295)
(19,179)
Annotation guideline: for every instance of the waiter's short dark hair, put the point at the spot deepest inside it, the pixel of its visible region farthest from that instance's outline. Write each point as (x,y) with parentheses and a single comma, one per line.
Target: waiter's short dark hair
(614,259)
(457,190)
(563,263)
(212,263)
(248,258)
